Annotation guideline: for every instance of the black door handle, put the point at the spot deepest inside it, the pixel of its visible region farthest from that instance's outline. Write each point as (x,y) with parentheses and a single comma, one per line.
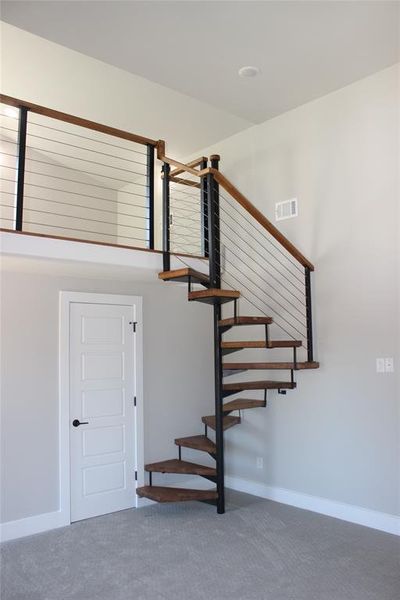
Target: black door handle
(77,422)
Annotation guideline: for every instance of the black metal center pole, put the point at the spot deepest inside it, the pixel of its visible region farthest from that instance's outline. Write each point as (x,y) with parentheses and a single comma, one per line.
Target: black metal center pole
(150,193)
(166,219)
(215,282)
(310,346)
(219,430)
(22,129)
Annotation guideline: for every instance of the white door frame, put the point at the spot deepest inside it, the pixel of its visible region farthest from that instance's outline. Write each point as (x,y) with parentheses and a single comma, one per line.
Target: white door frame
(65,299)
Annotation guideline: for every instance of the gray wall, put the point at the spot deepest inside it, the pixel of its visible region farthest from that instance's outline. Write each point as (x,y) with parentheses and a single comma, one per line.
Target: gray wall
(178,379)
(336,436)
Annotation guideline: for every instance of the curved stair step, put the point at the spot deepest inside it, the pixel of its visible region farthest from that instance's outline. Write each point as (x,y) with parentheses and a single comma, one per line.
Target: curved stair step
(197,442)
(214,296)
(228,421)
(242,404)
(269,366)
(240,386)
(185,275)
(284,344)
(180,466)
(171,494)
(237,345)
(236,321)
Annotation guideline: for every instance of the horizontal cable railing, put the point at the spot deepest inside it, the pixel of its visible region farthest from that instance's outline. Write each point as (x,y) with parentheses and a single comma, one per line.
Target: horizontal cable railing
(186,222)
(61,176)
(269,279)
(249,253)
(254,257)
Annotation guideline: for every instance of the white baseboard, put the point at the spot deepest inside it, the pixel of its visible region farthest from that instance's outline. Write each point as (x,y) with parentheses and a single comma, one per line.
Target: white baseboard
(339,510)
(12,530)
(331,508)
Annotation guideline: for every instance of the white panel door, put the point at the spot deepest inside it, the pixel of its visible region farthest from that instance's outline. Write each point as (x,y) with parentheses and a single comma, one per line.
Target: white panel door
(102,412)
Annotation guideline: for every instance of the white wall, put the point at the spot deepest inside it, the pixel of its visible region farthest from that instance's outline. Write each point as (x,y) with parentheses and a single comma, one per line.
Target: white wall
(46,73)
(178,381)
(337,436)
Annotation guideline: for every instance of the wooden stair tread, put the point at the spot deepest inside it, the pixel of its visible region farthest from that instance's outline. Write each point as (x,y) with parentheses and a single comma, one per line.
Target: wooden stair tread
(184,275)
(245,321)
(258,385)
(262,344)
(180,466)
(242,404)
(228,421)
(243,366)
(171,494)
(284,344)
(214,295)
(197,442)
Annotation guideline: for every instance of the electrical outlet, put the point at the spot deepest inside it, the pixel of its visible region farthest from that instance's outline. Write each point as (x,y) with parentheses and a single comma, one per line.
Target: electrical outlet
(380,365)
(260,462)
(389,364)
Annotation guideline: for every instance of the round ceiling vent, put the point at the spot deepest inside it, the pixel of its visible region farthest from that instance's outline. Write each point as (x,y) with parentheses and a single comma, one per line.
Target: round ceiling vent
(249,72)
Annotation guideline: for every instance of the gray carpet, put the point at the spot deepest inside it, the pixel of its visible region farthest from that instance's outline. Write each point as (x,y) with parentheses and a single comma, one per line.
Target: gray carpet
(258,550)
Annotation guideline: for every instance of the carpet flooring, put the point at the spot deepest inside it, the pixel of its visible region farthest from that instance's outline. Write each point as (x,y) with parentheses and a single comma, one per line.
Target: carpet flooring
(258,550)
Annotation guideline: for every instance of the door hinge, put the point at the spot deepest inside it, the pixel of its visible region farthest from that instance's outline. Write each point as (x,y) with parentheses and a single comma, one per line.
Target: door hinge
(134,400)
(133,323)
(135,475)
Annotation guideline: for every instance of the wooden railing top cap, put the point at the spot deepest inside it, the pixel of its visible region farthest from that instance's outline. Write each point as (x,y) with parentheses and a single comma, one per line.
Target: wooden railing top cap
(73,120)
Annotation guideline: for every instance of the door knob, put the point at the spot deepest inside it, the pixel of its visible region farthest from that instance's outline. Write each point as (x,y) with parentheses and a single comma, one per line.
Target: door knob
(77,422)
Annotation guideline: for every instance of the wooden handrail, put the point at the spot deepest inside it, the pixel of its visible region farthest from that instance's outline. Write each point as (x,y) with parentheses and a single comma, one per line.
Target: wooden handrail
(193,163)
(175,163)
(260,218)
(66,118)
(242,200)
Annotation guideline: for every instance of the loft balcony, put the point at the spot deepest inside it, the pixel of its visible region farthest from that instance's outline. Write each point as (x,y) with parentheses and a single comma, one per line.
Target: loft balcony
(76,190)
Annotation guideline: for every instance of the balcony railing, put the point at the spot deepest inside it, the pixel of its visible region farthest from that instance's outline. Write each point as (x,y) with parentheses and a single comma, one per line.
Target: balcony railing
(66,177)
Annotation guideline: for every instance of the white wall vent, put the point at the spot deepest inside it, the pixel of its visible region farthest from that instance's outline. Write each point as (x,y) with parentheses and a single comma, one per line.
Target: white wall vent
(286,209)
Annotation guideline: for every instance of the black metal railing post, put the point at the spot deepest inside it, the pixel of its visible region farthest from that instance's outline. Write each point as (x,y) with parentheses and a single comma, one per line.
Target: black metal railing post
(204,209)
(150,193)
(214,249)
(166,219)
(22,130)
(310,348)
